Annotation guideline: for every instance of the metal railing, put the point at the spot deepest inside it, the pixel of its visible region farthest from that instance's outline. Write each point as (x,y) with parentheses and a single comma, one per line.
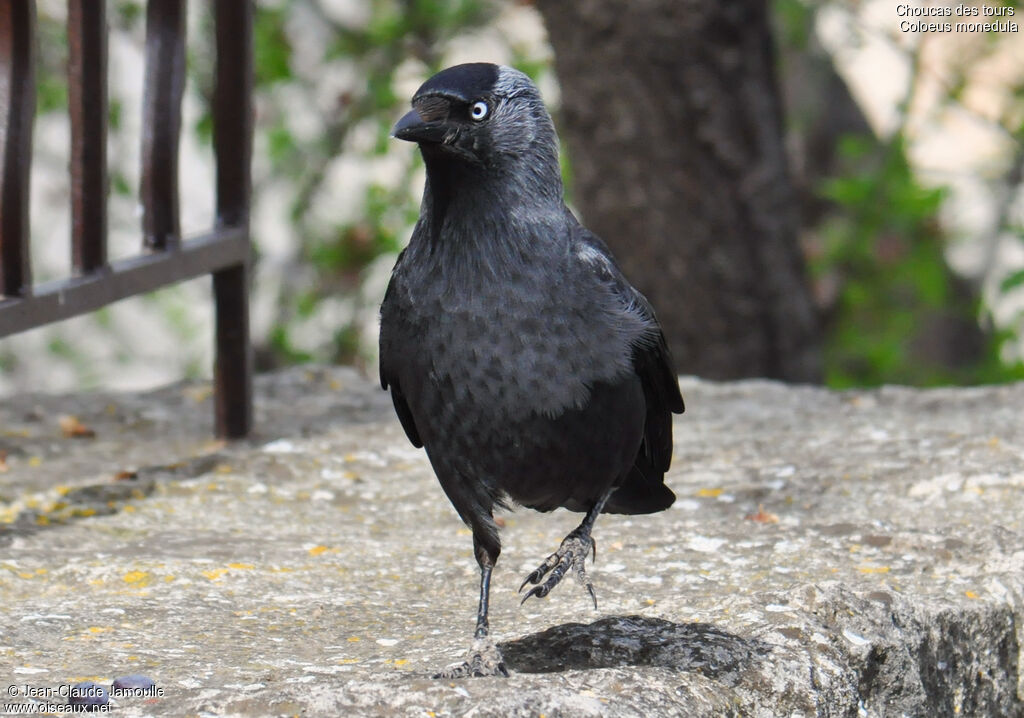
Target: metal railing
(223,252)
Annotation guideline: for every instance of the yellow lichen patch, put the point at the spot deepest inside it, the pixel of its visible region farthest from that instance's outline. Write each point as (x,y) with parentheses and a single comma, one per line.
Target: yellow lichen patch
(34,461)
(353,639)
(26,574)
(348,661)
(84,512)
(873,569)
(223,469)
(317,550)
(401,661)
(241,566)
(214,573)
(63,490)
(993,442)
(41,571)
(137,578)
(42,520)
(709,493)
(168,578)
(100,629)
(128,508)
(335,385)
(970,594)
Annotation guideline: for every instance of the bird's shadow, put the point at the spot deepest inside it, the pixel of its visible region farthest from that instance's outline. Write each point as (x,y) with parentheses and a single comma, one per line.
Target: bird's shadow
(619,641)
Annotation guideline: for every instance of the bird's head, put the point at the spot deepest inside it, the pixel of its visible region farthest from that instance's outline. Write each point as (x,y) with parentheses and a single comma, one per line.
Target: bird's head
(482,115)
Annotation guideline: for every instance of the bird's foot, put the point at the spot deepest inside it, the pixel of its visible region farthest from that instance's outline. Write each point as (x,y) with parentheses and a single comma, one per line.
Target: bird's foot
(571,554)
(484,660)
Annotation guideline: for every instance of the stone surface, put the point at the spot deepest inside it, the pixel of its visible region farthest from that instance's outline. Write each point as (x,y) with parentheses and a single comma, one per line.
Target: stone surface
(830,554)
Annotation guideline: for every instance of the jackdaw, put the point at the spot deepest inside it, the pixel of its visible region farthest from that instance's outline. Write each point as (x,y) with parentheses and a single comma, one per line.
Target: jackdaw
(515,350)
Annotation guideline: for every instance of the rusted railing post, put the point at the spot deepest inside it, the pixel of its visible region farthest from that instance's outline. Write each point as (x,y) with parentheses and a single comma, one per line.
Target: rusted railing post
(87,105)
(224,251)
(161,121)
(232,141)
(18,106)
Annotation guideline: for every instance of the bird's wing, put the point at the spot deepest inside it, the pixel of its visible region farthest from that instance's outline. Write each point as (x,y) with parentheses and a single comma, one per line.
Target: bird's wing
(405,415)
(651,358)
(389,378)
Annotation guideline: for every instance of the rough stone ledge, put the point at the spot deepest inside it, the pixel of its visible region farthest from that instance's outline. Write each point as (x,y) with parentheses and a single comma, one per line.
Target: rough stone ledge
(830,554)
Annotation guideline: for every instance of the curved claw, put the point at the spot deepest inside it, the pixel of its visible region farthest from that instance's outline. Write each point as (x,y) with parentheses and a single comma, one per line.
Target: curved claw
(538,574)
(533,578)
(538,591)
(572,555)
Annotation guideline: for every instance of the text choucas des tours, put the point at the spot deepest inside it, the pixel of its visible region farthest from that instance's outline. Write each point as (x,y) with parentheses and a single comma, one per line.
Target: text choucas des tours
(999,15)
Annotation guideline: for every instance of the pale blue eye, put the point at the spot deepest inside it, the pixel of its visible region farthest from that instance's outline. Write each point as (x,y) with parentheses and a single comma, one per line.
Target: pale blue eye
(479,110)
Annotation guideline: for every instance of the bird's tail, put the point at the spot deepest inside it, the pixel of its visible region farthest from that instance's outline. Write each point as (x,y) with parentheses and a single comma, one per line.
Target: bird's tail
(643,492)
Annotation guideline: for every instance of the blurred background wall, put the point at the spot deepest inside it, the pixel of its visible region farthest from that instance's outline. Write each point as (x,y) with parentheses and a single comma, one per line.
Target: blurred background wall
(806,190)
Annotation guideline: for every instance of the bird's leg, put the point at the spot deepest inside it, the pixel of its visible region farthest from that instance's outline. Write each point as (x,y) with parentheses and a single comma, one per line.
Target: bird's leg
(571,554)
(484,658)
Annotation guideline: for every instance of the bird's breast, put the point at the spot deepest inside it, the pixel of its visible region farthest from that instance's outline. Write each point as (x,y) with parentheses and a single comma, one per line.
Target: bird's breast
(510,344)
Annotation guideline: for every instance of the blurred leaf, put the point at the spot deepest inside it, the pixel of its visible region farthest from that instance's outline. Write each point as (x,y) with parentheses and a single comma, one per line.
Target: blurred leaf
(272,49)
(1016,279)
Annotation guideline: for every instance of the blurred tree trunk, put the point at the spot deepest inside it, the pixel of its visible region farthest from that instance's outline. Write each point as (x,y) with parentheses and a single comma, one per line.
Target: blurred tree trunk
(673,121)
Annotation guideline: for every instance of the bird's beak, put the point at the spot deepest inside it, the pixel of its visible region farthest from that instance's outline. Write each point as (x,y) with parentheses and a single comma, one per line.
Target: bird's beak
(413,128)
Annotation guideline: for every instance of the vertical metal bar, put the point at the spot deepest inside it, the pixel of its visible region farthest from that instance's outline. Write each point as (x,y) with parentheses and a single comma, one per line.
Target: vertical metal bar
(232,130)
(87,104)
(232,137)
(161,121)
(17,110)
(232,373)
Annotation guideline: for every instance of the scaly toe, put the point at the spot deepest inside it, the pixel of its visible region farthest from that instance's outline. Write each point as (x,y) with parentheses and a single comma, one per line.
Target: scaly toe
(571,554)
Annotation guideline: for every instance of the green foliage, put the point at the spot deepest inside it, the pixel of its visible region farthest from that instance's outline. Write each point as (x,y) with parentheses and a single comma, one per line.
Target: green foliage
(899,315)
(794,23)
(339,254)
(1013,281)
(272,50)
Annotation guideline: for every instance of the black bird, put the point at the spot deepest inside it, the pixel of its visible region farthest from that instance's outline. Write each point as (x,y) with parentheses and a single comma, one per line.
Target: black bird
(515,350)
